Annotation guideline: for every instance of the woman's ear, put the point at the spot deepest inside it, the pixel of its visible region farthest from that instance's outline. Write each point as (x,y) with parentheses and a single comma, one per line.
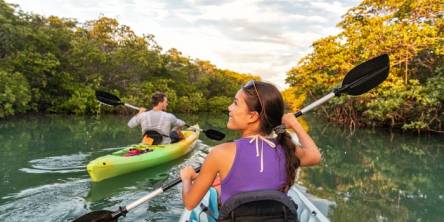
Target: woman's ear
(253,116)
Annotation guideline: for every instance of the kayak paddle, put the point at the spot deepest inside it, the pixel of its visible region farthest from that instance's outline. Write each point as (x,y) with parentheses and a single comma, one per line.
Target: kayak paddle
(359,80)
(113,100)
(110,216)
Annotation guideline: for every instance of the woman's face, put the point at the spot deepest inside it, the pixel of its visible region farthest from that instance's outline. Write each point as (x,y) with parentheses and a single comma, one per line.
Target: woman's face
(239,117)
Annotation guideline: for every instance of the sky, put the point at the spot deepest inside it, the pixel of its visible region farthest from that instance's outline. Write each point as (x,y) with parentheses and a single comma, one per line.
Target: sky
(264,38)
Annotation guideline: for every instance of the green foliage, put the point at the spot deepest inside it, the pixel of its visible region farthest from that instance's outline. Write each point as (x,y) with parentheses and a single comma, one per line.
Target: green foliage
(192,103)
(219,103)
(435,84)
(411,33)
(15,93)
(64,61)
(185,105)
(82,100)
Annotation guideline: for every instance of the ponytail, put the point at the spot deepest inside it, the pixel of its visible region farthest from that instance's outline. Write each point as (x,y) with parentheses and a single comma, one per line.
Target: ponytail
(267,101)
(291,161)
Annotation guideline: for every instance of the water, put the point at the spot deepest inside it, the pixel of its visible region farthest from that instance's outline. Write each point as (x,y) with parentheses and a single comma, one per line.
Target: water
(373,175)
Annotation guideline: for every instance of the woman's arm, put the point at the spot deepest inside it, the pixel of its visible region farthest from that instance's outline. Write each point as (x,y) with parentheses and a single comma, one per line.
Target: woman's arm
(194,191)
(308,153)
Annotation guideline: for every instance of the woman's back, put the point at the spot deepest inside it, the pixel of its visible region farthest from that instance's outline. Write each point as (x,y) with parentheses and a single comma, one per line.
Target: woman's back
(258,165)
(257,109)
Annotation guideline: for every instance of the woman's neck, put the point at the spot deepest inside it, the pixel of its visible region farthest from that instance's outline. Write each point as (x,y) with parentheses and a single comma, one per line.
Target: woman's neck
(248,133)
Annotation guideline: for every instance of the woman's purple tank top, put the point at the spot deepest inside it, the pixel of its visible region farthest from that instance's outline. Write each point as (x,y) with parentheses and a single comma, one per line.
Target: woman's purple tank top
(245,172)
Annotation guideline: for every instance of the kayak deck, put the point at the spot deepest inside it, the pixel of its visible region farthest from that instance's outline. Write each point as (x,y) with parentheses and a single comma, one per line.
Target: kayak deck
(307,211)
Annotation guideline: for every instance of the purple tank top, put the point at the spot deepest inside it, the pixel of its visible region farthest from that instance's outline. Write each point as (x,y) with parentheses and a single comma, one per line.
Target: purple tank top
(245,172)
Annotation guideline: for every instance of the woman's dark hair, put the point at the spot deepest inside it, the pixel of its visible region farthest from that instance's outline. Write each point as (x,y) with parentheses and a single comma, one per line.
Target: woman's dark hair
(266,99)
(157,97)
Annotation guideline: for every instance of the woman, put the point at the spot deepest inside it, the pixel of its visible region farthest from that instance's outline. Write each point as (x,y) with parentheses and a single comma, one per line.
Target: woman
(255,161)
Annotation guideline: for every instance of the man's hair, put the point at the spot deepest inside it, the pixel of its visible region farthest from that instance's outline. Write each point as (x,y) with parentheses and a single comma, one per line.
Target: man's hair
(157,97)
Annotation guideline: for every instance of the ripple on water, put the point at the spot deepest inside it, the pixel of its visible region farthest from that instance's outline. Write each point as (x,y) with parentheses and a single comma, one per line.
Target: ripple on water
(62,164)
(59,164)
(60,200)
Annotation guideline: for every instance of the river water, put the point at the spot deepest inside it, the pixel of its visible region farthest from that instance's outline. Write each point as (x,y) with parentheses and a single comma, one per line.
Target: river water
(370,175)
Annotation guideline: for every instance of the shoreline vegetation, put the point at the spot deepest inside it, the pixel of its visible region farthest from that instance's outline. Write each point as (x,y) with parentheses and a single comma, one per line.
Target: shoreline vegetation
(54,65)
(412,97)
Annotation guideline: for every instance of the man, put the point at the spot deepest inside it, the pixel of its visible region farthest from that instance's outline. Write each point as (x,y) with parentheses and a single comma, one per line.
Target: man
(156,119)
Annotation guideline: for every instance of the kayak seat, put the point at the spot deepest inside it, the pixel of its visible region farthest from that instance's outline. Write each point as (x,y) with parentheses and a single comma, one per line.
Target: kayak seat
(176,136)
(263,205)
(155,136)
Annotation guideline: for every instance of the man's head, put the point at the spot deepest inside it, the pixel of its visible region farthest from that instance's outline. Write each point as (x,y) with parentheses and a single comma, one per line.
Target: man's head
(159,100)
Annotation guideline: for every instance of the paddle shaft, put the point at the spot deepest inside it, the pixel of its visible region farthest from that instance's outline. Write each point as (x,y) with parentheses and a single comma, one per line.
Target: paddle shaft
(315,104)
(131,106)
(169,185)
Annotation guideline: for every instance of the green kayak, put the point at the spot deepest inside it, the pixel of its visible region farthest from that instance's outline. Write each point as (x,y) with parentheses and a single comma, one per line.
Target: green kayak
(140,156)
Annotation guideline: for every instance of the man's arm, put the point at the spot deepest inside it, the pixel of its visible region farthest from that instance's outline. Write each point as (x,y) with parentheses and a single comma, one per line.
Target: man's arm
(135,121)
(176,122)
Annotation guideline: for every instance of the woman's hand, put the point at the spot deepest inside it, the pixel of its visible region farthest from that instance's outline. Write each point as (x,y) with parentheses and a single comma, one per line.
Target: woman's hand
(309,153)
(188,174)
(289,120)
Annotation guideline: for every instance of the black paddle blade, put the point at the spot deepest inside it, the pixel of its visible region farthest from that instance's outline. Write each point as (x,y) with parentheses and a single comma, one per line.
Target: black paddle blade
(214,134)
(97,216)
(366,76)
(108,98)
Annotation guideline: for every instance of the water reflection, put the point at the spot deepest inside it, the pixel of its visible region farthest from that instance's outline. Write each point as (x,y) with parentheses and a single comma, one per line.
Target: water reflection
(378,175)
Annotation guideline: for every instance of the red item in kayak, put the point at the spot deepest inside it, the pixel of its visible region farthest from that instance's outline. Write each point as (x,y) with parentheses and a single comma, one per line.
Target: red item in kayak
(133,152)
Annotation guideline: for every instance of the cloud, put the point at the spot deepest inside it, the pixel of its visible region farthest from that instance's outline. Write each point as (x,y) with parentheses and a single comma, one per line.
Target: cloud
(335,7)
(250,36)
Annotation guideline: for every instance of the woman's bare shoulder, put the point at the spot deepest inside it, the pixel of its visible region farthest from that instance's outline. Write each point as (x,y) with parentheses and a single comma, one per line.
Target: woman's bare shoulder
(222,149)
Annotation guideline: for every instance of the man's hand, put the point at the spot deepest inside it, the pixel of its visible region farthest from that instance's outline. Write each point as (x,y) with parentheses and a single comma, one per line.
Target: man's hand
(141,110)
